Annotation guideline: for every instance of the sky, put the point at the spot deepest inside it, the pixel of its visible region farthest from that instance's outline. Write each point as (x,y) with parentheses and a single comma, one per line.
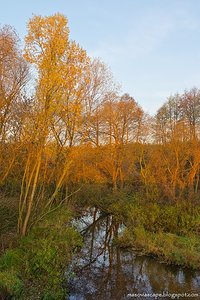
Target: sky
(151,46)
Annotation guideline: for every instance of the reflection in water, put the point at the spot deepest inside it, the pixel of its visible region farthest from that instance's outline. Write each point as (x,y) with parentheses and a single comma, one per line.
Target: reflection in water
(103,271)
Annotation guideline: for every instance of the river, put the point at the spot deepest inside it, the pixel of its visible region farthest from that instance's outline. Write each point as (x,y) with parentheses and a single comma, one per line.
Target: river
(102,271)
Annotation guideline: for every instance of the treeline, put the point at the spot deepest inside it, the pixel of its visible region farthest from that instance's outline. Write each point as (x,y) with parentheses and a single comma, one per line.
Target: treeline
(65,126)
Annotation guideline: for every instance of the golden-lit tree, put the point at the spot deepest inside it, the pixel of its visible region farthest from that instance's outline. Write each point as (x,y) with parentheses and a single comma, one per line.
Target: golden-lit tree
(61,67)
(13,78)
(75,128)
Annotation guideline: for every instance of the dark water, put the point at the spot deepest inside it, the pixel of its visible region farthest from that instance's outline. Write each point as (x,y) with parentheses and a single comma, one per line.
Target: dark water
(102,271)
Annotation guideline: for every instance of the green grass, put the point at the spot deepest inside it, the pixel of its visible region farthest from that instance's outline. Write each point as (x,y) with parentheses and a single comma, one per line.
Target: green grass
(36,268)
(168,247)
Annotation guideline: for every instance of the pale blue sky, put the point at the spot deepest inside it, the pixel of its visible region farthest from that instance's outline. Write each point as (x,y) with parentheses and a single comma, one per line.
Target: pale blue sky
(151,46)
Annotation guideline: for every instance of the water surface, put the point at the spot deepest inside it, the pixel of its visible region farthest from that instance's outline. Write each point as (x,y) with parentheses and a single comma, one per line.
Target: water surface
(102,271)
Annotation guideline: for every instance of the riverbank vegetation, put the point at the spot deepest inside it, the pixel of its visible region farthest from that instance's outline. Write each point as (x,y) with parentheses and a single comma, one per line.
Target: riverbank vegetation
(69,139)
(35,267)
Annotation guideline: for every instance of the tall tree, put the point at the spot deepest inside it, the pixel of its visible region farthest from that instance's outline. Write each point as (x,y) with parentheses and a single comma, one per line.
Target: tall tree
(14,73)
(61,67)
